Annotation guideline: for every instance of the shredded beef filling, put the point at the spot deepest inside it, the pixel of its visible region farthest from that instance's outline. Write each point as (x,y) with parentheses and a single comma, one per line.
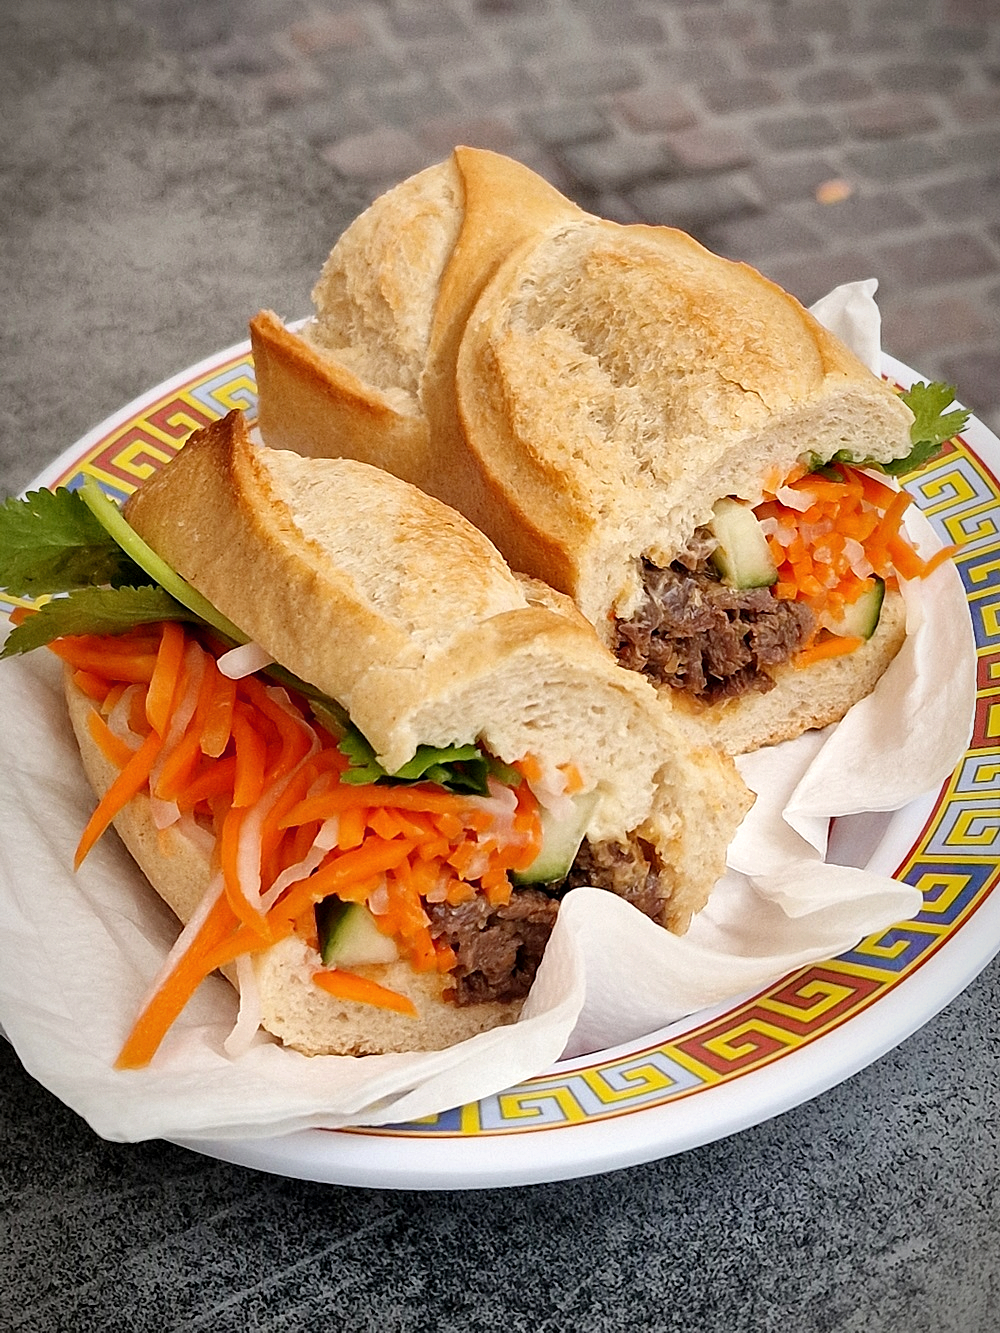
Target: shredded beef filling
(695,633)
(499,948)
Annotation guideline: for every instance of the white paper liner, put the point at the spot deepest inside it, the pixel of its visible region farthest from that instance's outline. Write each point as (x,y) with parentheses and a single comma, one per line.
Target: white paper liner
(79,950)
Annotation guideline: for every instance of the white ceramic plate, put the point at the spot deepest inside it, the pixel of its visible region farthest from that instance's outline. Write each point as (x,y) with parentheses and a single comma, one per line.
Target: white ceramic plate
(722,1070)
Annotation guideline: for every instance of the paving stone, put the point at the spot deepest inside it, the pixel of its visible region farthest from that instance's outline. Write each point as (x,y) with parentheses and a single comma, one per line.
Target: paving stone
(408,105)
(705,24)
(929,261)
(492,88)
(697,202)
(695,64)
(923,76)
(785,178)
(916,327)
(888,117)
(322,121)
(978,105)
(710,148)
(869,41)
(965,198)
(976,12)
(907,159)
(954,39)
(725,96)
(575,78)
(570,122)
(444,132)
(778,55)
(830,16)
(862,216)
(758,238)
(615,24)
(976,146)
(378,155)
(907,11)
(323,31)
(648,109)
(809,130)
(425,21)
(813,276)
(613,163)
(834,84)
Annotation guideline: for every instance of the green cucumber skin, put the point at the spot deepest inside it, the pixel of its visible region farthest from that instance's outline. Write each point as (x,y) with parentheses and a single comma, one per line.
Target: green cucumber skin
(561,839)
(742,558)
(348,935)
(860,619)
(118,529)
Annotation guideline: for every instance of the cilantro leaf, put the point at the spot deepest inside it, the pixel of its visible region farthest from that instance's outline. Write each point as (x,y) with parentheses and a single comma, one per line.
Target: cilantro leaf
(932,425)
(94,611)
(457,768)
(50,542)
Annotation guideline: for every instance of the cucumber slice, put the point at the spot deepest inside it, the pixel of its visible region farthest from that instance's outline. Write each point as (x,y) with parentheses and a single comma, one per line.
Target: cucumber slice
(860,618)
(561,838)
(115,525)
(742,557)
(348,935)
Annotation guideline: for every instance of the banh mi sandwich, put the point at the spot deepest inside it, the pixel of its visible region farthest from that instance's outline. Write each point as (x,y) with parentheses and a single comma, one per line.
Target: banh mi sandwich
(662,434)
(353,752)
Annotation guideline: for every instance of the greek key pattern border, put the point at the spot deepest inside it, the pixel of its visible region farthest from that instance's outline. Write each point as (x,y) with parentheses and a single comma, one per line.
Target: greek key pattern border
(955,862)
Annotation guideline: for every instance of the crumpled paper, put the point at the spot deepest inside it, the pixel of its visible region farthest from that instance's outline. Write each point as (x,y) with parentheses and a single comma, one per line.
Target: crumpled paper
(80,950)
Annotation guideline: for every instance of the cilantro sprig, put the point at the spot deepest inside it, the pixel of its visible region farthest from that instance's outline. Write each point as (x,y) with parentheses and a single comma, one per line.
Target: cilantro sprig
(932,427)
(76,548)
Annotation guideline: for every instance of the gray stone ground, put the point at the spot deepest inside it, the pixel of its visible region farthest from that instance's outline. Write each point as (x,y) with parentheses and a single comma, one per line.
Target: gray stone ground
(820,140)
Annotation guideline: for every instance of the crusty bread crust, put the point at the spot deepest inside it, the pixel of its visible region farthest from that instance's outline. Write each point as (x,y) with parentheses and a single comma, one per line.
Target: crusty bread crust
(292,1007)
(582,391)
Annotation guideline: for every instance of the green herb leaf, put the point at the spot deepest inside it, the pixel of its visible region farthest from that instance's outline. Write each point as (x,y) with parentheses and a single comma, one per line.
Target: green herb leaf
(932,425)
(51,542)
(94,611)
(457,768)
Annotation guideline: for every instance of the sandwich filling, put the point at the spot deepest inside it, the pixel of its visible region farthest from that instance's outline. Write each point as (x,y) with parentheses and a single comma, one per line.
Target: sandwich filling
(832,541)
(246,769)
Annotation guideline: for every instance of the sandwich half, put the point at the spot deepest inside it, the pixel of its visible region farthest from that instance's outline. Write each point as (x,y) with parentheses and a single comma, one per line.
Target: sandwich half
(662,434)
(356,754)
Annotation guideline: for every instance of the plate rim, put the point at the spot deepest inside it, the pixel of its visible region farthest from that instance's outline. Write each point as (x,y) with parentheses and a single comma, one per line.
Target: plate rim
(463,1160)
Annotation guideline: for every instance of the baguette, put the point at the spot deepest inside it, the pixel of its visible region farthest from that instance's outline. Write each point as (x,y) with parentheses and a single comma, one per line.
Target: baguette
(382,599)
(583,392)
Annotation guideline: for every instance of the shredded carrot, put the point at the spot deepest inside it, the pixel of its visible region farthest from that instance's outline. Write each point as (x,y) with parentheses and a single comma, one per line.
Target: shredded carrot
(129,782)
(93,686)
(834,646)
(237,743)
(849,529)
(111,746)
(165,680)
(206,952)
(350,986)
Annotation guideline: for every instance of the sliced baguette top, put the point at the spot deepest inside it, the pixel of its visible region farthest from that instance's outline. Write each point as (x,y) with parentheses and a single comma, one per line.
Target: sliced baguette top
(396,606)
(583,391)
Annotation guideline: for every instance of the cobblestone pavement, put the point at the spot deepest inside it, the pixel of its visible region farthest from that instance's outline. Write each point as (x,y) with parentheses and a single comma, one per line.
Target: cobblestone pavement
(820,140)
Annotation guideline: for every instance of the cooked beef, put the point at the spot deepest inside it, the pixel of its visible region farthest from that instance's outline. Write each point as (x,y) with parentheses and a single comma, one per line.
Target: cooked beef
(695,633)
(499,948)
(632,870)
